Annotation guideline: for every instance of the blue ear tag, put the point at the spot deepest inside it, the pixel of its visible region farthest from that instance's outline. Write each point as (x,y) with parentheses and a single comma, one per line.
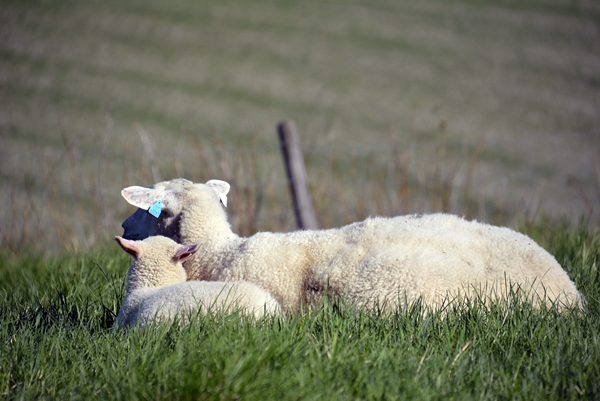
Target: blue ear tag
(155,209)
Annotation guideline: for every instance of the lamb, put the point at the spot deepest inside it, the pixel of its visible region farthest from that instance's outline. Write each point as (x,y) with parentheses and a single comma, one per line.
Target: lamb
(379,261)
(157,289)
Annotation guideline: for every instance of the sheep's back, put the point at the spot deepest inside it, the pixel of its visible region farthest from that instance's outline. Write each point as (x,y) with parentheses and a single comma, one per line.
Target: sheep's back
(185,299)
(439,256)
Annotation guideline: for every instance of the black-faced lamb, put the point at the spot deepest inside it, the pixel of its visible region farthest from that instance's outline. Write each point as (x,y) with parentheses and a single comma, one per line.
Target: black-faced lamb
(379,261)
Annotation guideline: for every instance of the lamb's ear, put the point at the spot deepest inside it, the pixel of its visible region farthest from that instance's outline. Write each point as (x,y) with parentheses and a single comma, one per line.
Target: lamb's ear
(185,251)
(137,196)
(222,189)
(144,198)
(131,247)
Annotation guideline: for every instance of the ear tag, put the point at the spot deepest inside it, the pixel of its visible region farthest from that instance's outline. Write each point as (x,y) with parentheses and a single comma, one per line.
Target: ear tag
(223,198)
(155,209)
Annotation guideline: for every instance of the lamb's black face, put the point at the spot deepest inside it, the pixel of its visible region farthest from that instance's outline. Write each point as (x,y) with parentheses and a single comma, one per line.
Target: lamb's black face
(175,196)
(140,225)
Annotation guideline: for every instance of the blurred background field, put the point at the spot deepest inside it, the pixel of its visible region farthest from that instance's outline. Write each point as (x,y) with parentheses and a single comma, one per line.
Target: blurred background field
(487,109)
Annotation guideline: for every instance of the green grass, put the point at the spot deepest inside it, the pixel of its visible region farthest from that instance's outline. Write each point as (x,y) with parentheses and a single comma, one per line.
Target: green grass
(56,342)
(482,108)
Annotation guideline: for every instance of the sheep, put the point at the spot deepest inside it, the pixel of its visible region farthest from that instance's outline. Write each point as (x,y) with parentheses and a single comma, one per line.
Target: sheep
(379,261)
(157,289)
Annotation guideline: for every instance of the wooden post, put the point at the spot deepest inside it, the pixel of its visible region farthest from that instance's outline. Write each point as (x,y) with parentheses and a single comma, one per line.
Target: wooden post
(296,175)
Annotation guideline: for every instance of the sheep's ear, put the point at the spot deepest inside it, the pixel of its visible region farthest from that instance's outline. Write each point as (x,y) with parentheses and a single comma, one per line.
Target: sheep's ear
(185,251)
(137,196)
(145,198)
(222,189)
(131,247)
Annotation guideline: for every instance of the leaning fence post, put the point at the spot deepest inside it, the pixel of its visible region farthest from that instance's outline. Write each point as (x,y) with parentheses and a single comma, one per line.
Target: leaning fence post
(296,175)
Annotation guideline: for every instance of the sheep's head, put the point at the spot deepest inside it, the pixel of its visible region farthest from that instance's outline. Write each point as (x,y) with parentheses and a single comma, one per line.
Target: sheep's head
(160,206)
(158,261)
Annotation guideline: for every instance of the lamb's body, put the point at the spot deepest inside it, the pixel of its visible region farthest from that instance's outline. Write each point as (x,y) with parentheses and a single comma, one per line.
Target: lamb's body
(377,261)
(182,301)
(157,289)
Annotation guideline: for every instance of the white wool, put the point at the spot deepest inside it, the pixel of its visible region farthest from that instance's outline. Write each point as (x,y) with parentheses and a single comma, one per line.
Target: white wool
(378,261)
(182,301)
(157,289)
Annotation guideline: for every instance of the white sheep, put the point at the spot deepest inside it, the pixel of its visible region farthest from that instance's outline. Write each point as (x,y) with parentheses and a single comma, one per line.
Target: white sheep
(157,289)
(378,261)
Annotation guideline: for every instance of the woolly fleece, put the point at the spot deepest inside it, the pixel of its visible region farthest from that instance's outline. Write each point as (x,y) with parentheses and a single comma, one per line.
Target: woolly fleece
(157,289)
(379,261)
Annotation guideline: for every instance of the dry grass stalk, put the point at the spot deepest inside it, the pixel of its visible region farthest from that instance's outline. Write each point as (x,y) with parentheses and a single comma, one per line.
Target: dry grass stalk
(83,206)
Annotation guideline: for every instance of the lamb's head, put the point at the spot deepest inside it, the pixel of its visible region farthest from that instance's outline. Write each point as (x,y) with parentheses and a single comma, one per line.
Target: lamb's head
(158,261)
(160,206)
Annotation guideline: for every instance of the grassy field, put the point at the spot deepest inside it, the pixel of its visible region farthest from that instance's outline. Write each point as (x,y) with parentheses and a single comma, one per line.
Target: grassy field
(487,109)
(56,343)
